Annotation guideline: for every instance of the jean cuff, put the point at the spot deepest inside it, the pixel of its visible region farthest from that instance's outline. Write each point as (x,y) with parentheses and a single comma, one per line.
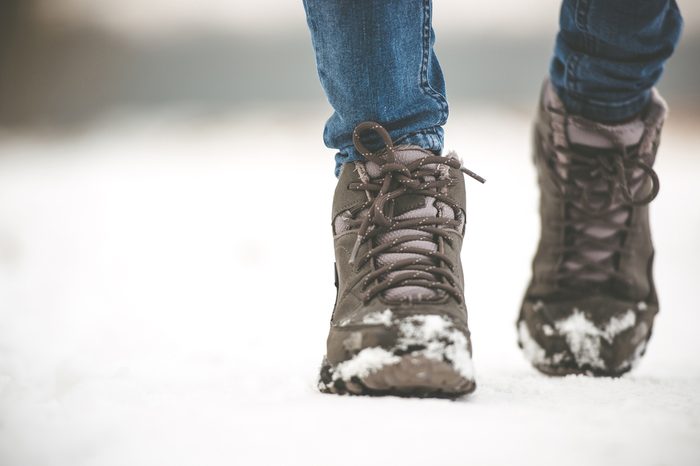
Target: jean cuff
(604,112)
(431,139)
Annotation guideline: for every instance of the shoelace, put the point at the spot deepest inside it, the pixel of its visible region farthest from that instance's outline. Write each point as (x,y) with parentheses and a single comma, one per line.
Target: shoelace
(395,180)
(599,186)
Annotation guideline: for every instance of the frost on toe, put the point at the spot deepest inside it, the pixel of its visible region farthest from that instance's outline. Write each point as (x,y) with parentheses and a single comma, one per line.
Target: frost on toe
(436,338)
(364,363)
(586,342)
(379,318)
(431,336)
(584,338)
(533,351)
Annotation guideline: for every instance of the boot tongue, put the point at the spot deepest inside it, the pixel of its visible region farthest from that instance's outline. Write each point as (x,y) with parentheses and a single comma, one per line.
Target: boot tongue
(582,134)
(405,156)
(409,206)
(590,136)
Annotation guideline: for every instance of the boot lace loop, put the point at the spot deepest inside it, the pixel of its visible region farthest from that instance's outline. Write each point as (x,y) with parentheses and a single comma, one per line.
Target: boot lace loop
(423,177)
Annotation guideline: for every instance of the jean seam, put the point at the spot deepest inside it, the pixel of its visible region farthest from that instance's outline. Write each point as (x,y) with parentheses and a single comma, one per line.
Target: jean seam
(571,66)
(429,135)
(617,105)
(424,83)
(596,109)
(581,14)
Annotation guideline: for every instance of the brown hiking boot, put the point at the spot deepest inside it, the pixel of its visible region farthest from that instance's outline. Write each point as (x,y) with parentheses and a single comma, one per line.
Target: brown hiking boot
(591,303)
(399,326)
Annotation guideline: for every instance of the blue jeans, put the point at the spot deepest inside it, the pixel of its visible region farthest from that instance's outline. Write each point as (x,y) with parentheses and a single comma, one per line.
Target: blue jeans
(609,54)
(376,62)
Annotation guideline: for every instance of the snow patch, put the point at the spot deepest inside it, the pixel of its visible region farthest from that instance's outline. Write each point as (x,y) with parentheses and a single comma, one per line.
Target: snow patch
(584,337)
(375,318)
(532,350)
(436,336)
(618,325)
(364,363)
(353,342)
(440,340)
(423,328)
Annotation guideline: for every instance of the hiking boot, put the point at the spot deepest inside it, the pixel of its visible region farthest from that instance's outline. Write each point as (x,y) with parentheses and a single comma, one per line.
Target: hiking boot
(399,326)
(591,303)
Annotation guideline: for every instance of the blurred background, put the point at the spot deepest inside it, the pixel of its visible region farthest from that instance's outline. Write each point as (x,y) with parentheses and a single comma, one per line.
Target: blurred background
(162,303)
(67,62)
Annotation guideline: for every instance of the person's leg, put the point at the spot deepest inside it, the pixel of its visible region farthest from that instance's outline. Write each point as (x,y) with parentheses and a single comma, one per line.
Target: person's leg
(399,323)
(591,303)
(376,62)
(610,53)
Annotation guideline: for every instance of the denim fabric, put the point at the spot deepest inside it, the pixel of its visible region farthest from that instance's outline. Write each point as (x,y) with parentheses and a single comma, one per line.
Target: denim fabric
(609,54)
(376,62)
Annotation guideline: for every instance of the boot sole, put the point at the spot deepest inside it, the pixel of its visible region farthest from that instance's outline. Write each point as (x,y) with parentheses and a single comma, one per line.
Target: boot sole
(562,371)
(411,376)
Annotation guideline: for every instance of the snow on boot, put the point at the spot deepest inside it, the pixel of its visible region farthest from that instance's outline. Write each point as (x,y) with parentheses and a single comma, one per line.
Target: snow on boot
(591,302)
(399,326)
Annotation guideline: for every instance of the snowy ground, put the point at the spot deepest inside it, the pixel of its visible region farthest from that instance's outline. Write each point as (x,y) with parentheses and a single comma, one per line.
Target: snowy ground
(152,313)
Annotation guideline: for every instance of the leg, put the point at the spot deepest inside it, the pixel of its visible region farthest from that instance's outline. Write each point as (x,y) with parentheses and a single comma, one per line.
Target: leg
(399,324)
(376,62)
(591,303)
(609,54)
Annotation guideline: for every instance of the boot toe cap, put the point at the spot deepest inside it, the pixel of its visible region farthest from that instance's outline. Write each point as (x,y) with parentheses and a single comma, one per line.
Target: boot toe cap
(396,354)
(596,336)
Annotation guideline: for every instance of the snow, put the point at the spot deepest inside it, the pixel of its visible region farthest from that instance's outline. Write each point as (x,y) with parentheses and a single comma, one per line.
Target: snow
(617,325)
(365,362)
(584,337)
(531,349)
(435,334)
(440,339)
(383,318)
(166,284)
